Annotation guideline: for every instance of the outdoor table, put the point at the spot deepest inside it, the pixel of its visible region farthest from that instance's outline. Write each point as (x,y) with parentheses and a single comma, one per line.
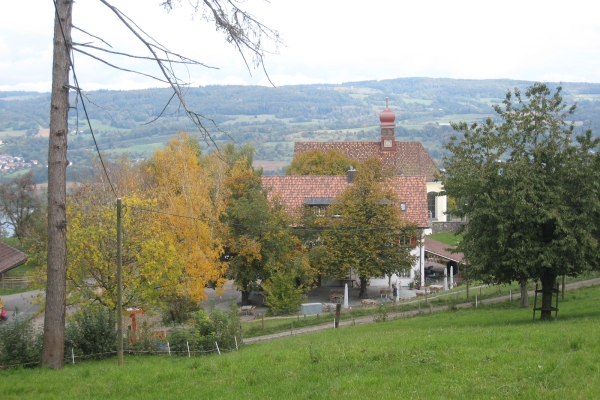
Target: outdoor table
(246,309)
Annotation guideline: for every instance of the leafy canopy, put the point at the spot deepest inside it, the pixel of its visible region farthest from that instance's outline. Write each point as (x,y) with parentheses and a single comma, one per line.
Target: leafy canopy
(528,187)
(363,230)
(316,162)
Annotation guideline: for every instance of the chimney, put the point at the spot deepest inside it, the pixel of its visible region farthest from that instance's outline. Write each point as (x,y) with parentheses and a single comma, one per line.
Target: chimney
(351,174)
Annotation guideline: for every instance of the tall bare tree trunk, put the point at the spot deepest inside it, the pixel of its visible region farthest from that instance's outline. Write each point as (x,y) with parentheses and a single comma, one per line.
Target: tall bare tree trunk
(54,319)
(524,295)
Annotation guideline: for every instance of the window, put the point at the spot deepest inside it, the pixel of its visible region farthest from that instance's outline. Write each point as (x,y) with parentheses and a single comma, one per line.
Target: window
(431,197)
(320,211)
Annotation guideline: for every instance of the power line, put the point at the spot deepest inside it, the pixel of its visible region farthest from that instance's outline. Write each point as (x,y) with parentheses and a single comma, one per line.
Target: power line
(254,225)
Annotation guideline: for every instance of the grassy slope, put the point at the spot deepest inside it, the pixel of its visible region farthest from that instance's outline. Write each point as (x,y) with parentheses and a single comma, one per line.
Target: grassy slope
(448,238)
(495,352)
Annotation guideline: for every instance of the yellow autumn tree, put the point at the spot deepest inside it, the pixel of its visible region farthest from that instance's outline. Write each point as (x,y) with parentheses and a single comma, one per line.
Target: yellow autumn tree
(188,195)
(150,260)
(151,264)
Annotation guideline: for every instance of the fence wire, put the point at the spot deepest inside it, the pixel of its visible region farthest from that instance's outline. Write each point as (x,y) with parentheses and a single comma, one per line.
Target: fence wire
(70,357)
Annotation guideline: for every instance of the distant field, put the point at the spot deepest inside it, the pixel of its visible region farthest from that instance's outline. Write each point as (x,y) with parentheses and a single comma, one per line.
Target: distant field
(44,132)
(15,174)
(591,97)
(411,126)
(419,101)
(10,133)
(140,148)
(270,165)
(349,130)
(97,125)
(248,118)
(491,100)
(465,117)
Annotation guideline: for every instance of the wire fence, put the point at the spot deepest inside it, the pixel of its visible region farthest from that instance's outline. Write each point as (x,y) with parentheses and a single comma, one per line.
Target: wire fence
(71,358)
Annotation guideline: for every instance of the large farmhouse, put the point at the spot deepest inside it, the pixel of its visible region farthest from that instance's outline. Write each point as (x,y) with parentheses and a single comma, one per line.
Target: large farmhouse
(415,182)
(406,158)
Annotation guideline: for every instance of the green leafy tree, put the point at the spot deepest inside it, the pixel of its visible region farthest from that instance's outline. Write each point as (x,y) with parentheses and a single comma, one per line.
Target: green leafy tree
(363,231)
(530,192)
(259,239)
(316,162)
(19,205)
(283,295)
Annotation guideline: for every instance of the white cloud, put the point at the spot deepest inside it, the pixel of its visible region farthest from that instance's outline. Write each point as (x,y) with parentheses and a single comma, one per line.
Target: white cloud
(329,41)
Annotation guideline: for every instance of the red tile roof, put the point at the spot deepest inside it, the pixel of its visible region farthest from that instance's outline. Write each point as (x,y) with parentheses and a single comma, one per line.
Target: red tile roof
(292,190)
(10,257)
(408,159)
(443,250)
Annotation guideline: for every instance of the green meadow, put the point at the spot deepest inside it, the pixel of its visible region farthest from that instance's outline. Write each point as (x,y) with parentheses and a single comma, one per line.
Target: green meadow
(493,352)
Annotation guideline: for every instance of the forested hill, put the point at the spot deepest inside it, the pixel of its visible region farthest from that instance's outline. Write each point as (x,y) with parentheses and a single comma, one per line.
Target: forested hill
(273,118)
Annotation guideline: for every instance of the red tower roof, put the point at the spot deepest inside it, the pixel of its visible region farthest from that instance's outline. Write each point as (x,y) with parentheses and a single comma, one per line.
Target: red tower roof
(387,116)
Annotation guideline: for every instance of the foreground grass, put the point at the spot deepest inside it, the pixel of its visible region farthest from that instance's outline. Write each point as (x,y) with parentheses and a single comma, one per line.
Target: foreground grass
(493,352)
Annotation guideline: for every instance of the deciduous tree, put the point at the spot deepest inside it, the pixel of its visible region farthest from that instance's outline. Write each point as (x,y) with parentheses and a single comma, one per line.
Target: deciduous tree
(19,205)
(363,230)
(532,199)
(260,241)
(187,192)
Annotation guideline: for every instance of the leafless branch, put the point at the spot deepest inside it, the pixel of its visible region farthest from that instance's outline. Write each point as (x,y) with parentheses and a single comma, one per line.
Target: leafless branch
(184,60)
(117,67)
(89,34)
(163,110)
(168,73)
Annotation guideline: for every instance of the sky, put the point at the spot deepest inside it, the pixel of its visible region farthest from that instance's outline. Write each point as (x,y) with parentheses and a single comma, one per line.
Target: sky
(324,41)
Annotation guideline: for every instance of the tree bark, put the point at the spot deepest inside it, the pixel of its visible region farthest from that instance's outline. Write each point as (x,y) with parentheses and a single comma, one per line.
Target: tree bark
(548,285)
(54,318)
(363,287)
(524,295)
(245,296)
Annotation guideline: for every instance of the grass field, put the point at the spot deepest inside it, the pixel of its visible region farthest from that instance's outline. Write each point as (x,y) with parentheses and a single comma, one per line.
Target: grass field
(97,125)
(419,101)
(465,117)
(493,352)
(448,238)
(10,133)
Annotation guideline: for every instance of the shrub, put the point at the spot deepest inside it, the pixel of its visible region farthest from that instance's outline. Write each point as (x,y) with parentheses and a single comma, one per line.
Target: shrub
(219,326)
(179,339)
(179,309)
(282,294)
(145,339)
(91,331)
(20,343)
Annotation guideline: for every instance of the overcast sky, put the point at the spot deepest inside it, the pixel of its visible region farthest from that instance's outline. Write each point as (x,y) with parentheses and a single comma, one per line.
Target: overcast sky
(325,41)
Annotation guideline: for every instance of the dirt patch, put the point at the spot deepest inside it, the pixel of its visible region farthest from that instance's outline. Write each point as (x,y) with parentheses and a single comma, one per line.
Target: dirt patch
(43,133)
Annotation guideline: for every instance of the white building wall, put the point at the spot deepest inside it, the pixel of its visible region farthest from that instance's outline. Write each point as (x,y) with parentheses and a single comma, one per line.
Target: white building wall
(419,264)
(441,203)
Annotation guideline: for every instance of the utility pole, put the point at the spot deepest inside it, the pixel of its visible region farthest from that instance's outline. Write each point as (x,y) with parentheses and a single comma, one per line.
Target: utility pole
(54,318)
(119,284)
